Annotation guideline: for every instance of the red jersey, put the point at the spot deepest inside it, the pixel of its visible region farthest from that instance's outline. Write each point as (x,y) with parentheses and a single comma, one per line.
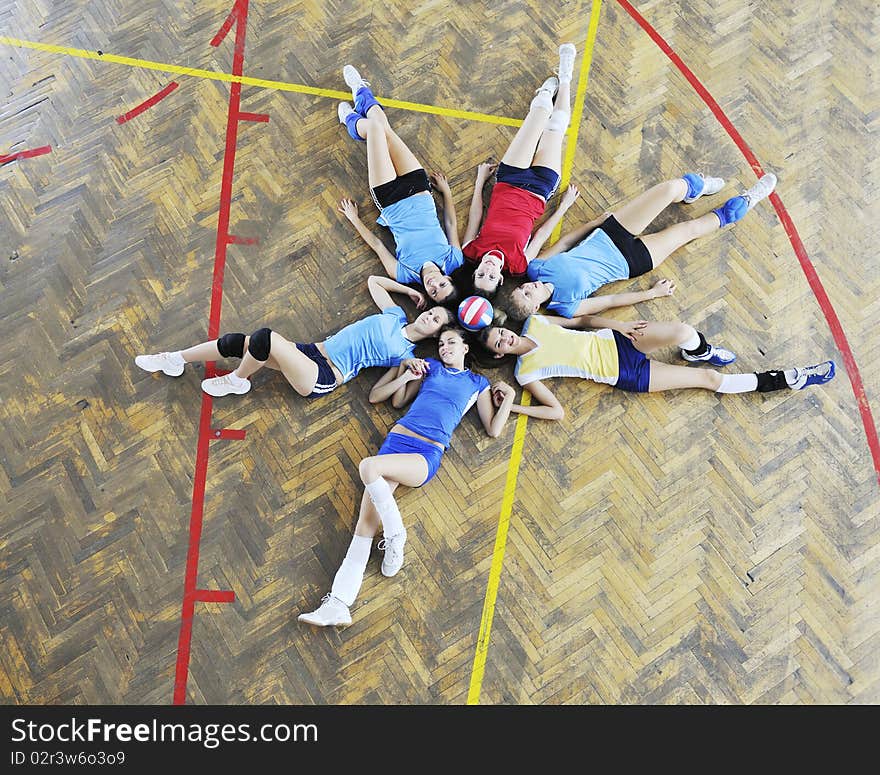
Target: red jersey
(508,226)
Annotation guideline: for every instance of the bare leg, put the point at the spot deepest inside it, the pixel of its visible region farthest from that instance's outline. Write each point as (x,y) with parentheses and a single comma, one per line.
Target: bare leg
(657,335)
(665,376)
(300,371)
(549,153)
(410,469)
(636,214)
(403,159)
(521,150)
(380,167)
(206,351)
(663,243)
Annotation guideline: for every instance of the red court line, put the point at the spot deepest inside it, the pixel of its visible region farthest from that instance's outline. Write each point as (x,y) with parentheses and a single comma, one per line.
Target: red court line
(237,16)
(215,596)
(809,270)
(260,118)
(147,104)
(26,154)
(227,433)
(234,239)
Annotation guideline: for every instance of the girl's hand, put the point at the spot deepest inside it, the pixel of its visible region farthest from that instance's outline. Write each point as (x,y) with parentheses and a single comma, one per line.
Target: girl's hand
(417,297)
(440,182)
(633,330)
(663,287)
(500,391)
(571,193)
(349,209)
(416,368)
(485,170)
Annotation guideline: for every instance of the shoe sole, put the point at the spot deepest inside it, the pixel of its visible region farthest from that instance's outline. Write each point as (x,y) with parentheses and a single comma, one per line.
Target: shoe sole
(227,393)
(154,371)
(322,624)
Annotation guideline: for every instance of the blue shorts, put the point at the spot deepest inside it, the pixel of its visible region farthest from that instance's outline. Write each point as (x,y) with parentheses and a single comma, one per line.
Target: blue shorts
(634,367)
(326,381)
(538,180)
(401,444)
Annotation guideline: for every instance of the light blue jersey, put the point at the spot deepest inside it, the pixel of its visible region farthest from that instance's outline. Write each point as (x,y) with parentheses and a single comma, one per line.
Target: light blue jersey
(443,399)
(419,238)
(376,340)
(577,272)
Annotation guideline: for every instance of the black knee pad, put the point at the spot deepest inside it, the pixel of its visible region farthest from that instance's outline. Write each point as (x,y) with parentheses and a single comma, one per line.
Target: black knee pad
(261,344)
(231,345)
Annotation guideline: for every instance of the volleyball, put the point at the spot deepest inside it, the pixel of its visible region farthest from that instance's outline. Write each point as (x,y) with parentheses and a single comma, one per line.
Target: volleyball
(474,313)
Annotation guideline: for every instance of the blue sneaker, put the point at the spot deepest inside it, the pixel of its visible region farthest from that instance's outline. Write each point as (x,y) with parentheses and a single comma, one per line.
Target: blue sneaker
(349,118)
(717,356)
(360,90)
(811,375)
(699,185)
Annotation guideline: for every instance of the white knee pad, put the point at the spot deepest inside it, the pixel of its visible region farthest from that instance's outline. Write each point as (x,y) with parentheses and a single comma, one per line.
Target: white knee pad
(559,120)
(543,99)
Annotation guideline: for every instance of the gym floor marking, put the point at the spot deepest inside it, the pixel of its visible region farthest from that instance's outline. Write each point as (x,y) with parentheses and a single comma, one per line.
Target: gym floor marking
(206,433)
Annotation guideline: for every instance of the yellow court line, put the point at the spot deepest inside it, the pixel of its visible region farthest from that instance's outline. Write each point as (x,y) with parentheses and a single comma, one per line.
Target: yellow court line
(213,75)
(482,650)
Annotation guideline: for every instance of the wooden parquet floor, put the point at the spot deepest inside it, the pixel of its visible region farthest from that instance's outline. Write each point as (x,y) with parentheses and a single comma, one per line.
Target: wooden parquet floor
(679,548)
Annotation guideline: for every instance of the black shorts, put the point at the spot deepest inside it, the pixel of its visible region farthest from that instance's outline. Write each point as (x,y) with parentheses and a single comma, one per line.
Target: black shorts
(401,187)
(326,381)
(633,249)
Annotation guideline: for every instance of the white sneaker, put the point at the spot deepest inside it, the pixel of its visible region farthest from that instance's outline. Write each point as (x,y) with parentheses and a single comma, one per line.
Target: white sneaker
(761,190)
(331,613)
(551,86)
(344,111)
(353,79)
(168,363)
(393,548)
(710,186)
(567,53)
(223,386)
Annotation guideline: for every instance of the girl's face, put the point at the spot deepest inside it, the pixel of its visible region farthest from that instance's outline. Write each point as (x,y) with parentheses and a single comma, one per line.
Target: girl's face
(432,320)
(501,341)
(487,275)
(528,296)
(438,286)
(452,348)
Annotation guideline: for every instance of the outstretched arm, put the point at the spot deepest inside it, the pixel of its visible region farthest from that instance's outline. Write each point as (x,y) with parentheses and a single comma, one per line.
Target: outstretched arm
(381,289)
(546,229)
(596,304)
(350,210)
(450,221)
(548,407)
(631,329)
(475,214)
(569,240)
(493,406)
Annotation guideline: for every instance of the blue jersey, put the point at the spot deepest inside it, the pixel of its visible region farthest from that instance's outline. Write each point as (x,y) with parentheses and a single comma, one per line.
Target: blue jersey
(419,238)
(444,398)
(578,272)
(376,340)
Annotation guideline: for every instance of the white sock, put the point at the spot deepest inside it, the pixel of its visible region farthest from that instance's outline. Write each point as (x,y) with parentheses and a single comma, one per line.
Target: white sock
(558,122)
(790,376)
(738,383)
(383,500)
(235,378)
(692,343)
(348,579)
(543,99)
